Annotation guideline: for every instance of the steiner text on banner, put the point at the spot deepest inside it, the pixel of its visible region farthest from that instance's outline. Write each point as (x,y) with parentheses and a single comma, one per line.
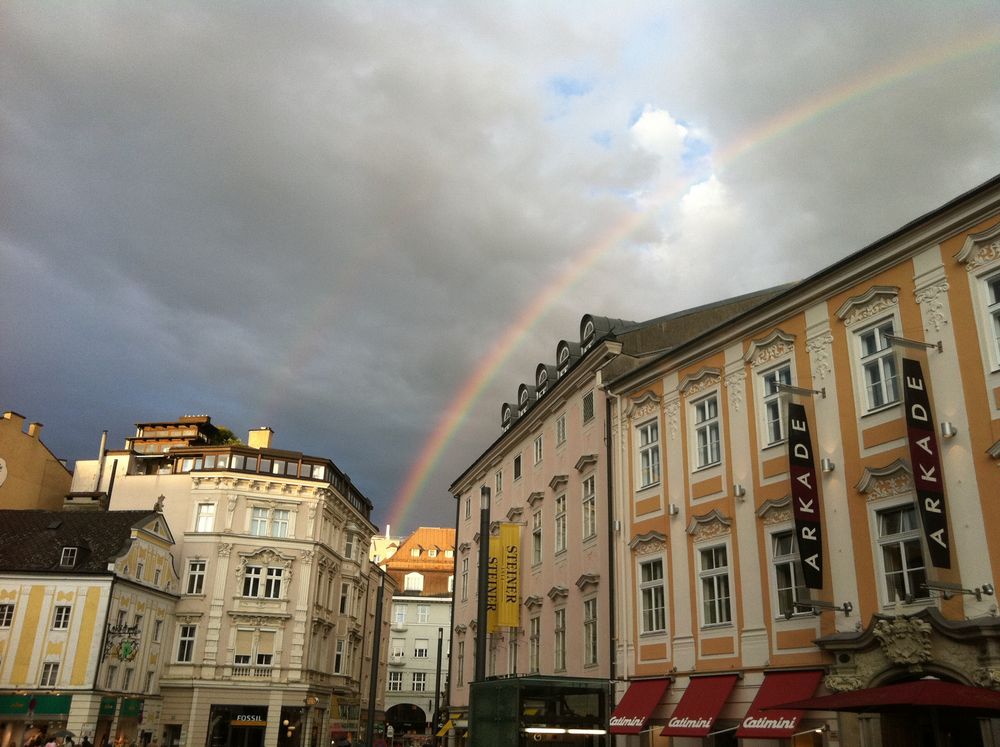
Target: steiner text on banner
(503,586)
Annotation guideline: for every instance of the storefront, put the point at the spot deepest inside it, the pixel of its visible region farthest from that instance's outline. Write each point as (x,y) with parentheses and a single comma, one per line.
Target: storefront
(243,726)
(26,717)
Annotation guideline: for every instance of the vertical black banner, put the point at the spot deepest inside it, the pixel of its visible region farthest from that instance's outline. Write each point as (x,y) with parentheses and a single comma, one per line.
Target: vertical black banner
(926,462)
(805,497)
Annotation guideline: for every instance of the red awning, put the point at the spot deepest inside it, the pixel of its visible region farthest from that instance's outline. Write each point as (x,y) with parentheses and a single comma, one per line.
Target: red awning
(778,687)
(699,706)
(925,693)
(632,713)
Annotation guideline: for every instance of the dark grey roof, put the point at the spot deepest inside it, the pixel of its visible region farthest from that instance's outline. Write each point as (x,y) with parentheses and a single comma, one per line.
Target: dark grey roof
(33,540)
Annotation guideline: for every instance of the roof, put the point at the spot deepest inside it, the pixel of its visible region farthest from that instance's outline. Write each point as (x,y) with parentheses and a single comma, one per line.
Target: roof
(33,540)
(424,538)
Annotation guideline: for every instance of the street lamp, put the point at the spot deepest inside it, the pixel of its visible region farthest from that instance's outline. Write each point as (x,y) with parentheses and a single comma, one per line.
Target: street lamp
(484,561)
(310,701)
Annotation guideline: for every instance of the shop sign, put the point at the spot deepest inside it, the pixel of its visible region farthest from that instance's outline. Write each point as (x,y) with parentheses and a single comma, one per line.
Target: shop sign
(806,507)
(249,716)
(14,704)
(108,706)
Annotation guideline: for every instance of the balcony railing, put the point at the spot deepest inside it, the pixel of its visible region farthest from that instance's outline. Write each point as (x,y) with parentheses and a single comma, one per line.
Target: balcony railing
(252,672)
(397,660)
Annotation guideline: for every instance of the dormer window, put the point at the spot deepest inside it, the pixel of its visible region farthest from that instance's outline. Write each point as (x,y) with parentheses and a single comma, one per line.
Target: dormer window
(505,418)
(68,557)
(432,553)
(415,552)
(588,335)
(543,381)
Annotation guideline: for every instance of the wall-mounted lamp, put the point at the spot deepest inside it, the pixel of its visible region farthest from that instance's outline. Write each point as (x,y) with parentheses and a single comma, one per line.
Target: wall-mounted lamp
(818,605)
(948,429)
(738,490)
(817,730)
(673,509)
(826,464)
(948,590)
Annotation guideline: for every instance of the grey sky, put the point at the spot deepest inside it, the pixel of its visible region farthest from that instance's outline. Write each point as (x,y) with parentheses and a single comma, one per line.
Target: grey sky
(322,217)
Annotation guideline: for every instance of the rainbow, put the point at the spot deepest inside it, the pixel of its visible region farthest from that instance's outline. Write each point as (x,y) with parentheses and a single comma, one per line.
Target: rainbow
(461,404)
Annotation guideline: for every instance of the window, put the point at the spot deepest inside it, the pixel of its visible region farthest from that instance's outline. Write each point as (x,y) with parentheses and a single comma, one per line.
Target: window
(774,428)
(561,430)
(589,508)
(139,569)
(560,531)
(398,648)
(68,557)
(536,538)
(714,575)
(460,663)
(338,657)
(517,467)
(395,682)
(122,614)
(127,678)
(150,680)
(534,640)
(902,556)
(993,309)
(50,674)
(468,507)
(266,522)
(251,580)
(137,622)
(419,681)
(6,615)
(157,630)
(423,613)
(272,585)
(110,677)
(878,366)
(413,582)
(432,553)
(449,553)
(498,481)
(185,643)
(399,614)
(205,519)
(60,619)
(653,613)
(196,576)
(706,428)
(786,574)
(349,546)
(345,598)
(588,407)
(649,454)
(420,648)
(465,579)
(559,647)
(538,449)
(590,632)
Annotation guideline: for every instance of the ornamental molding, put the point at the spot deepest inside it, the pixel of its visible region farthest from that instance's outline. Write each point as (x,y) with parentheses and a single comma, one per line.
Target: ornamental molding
(225,549)
(460,629)
(535,497)
(515,513)
(875,301)
(933,298)
(464,547)
(588,579)
(776,510)
(768,349)
(673,411)
(585,461)
(534,602)
(558,481)
(885,482)
(646,404)
(706,526)
(987,677)
(820,348)
(734,388)
(648,543)
(258,620)
(694,384)
(266,557)
(558,592)
(905,640)
(980,249)
(994,450)
(840,683)
(187,618)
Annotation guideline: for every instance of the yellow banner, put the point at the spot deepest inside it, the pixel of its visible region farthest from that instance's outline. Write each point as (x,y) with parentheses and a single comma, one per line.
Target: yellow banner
(492,585)
(509,576)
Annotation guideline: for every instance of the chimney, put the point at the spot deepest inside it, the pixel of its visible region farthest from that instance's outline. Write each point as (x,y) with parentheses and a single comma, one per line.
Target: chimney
(35,430)
(260,438)
(15,418)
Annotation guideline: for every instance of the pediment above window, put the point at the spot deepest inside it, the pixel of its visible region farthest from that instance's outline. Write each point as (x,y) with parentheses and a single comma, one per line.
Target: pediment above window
(558,481)
(646,404)
(460,629)
(534,602)
(775,346)
(776,510)
(587,580)
(494,527)
(558,592)
(587,460)
(706,378)
(264,556)
(884,482)
(515,513)
(535,497)
(648,543)
(712,524)
(980,249)
(994,450)
(874,302)
(464,547)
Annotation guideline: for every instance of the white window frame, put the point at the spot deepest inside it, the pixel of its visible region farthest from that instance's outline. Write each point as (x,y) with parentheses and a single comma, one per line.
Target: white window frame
(498,481)
(588,506)
(561,430)
(773,428)
(68,557)
(789,563)
(912,593)
(6,615)
(423,613)
(399,614)
(197,570)
(715,610)
(460,664)
(534,643)
(538,449)
(588,408)
(652,597)
(186,637)
(536,538)
(465,579)
(413,581)
(879,360)
(204,518)
(419,682)
(61,616)
(559,640)
(421,652)
(395,682)
(590,632)
(517,468)
(648,446)
(560,524)
(50,674)
(706,431)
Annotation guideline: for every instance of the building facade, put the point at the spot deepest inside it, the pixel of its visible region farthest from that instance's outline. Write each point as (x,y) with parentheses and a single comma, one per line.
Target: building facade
(820,519)
(422,568)
(30,475)
(549,473)
(85,603)
(273,631)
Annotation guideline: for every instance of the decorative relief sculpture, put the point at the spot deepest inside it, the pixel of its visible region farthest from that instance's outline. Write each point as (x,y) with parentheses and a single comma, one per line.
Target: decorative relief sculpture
(673,410)
(987,677)
(840,683)
(734,386)
(934,297)
(904,640)
(819,348)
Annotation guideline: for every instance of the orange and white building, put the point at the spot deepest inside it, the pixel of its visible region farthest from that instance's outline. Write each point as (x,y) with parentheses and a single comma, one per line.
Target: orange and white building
(753,573)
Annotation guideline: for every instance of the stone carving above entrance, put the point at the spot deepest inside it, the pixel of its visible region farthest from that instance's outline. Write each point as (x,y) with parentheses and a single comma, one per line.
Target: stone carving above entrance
(905,640)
